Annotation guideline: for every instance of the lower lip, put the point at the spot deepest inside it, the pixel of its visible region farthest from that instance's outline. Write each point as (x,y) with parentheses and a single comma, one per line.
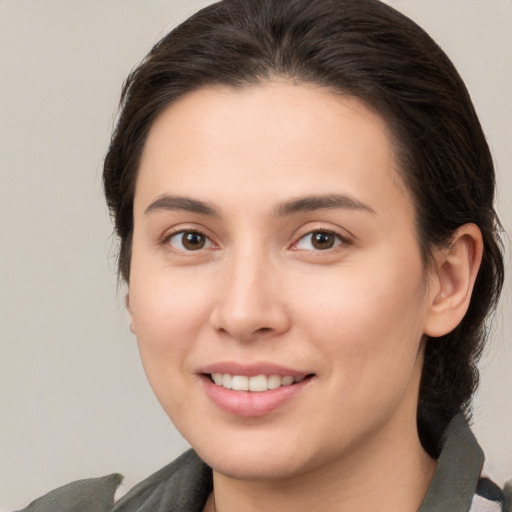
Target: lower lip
(251,403)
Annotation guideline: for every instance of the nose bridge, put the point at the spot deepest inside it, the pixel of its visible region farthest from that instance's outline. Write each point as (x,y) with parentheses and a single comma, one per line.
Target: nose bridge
(249,303)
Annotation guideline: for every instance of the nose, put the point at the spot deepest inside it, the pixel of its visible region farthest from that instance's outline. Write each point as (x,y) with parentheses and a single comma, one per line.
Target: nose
(250,303)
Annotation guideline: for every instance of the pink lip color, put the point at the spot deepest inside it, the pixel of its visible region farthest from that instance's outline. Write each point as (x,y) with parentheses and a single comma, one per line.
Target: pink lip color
(250,403)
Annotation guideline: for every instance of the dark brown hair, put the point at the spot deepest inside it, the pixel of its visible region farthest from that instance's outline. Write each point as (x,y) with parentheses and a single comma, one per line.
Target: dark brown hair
(364,49)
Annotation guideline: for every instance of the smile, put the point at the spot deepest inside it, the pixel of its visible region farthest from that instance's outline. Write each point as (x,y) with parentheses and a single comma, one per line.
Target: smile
(257,383)
(256,394)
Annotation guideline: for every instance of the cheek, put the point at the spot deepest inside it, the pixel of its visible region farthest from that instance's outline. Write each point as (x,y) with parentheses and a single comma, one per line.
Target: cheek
(371,335)
(368,320)
(168,319)
(161,299)
(168,314)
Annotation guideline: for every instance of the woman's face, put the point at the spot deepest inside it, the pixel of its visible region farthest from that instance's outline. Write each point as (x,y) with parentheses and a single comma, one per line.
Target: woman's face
(274,243)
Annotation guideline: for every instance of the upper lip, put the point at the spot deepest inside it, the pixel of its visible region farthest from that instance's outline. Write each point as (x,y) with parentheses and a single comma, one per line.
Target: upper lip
(252,369)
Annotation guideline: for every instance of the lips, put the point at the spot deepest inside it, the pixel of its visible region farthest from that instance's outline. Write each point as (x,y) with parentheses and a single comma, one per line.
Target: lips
(252,390)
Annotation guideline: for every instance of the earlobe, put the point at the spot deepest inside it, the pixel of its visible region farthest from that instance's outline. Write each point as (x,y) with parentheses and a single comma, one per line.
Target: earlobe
(452,280)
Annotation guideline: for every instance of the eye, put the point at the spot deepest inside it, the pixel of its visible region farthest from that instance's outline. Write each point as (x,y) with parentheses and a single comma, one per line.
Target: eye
(189,241)
(318,241)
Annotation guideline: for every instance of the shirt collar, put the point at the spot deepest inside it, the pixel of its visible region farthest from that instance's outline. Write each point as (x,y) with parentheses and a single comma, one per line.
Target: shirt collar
(458,470)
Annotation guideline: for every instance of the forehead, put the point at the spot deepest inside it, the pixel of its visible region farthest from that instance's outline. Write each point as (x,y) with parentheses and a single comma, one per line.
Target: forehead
(268,140)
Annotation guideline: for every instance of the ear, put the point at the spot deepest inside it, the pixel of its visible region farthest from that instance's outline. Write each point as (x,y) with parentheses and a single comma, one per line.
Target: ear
(127,304)
(451,281)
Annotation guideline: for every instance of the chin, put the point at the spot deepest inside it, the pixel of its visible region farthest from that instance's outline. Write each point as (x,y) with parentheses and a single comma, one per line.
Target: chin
(256,461)
(241,467)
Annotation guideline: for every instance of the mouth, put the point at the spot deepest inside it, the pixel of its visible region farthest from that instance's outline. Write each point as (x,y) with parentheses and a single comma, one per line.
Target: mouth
(253,390)
(256,383)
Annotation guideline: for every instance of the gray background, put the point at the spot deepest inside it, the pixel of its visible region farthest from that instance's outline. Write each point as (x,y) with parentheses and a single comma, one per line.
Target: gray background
(74,402)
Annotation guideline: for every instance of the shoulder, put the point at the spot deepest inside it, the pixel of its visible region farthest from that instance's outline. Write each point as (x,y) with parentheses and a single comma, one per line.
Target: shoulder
(457,484)
(184,484)
(89,495)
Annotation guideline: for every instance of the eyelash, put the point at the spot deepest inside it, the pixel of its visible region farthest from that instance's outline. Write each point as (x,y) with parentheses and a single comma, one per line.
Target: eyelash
(191,232)
(207,243)
(337,240)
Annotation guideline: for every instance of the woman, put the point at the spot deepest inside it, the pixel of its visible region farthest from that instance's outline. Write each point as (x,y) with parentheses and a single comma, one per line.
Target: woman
(304,200)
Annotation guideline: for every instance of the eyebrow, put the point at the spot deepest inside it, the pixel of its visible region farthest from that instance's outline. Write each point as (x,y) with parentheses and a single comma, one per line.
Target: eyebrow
(293,206)
(179,203)
(324,202)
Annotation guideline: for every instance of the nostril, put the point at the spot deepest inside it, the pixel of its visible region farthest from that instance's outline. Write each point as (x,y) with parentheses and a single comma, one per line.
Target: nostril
(246,319)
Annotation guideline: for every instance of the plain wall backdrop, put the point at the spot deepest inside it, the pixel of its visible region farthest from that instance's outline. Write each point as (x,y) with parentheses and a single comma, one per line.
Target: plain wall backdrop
(74,402)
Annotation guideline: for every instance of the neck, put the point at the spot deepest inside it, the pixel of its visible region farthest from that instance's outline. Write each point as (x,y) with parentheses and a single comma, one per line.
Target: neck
(391,473)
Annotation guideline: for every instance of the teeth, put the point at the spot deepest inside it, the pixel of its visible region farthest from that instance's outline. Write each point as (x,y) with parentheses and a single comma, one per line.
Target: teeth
(274,382)
(226,380)
(240,383)
(257,384)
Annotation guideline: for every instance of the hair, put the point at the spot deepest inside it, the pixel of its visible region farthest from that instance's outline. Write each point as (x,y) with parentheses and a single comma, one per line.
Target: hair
(363,49)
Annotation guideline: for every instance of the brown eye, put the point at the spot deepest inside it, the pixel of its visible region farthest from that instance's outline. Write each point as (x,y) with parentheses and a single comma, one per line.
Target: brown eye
(193,241)
(323,240)
(319,241)
(189,241)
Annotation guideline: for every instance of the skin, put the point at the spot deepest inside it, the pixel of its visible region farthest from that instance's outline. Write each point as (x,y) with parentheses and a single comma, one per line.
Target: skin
(353,315)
